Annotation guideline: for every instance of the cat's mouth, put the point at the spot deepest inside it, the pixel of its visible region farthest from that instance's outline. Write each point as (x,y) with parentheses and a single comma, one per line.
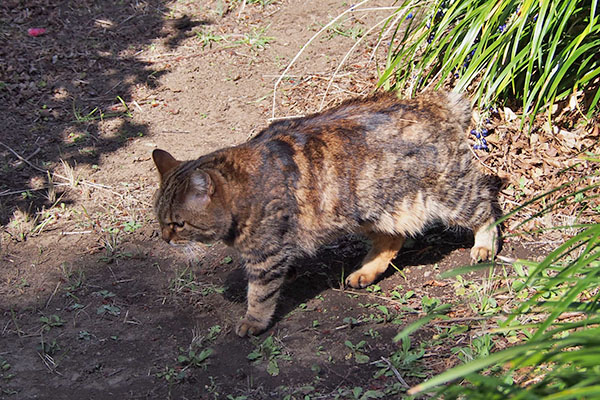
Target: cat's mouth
(179,243)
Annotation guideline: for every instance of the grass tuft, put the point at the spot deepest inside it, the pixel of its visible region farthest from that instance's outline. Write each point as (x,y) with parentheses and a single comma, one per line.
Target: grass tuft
(538,53)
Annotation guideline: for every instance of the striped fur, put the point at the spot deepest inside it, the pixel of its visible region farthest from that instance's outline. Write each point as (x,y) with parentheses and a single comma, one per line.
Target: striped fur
(381,166)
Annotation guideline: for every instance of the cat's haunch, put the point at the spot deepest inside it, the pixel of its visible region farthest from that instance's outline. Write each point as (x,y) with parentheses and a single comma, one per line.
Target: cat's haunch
(380,166)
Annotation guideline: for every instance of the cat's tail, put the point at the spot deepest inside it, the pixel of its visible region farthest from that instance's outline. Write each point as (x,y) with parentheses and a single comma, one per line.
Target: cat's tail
(459,108)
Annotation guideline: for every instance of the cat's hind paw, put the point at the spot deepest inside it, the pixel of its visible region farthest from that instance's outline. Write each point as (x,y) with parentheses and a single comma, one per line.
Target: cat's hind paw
(250,327)
(480,253)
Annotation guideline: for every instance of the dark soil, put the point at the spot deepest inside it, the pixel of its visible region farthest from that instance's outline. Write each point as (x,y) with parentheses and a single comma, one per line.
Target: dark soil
(92,304)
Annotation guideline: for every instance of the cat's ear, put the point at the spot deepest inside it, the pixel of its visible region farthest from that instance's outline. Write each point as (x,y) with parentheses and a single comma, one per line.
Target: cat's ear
(164,162)
(200,189)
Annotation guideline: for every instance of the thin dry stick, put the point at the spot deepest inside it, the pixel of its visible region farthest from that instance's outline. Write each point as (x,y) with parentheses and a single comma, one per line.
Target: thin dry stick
(373,295)
(9,192)
(384,35)
(345,58)
(395,371)
(52,295)
(481,162)
(351,9)
(241,8)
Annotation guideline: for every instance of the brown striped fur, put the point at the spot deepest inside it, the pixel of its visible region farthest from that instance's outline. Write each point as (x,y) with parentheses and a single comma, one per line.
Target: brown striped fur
(381,166)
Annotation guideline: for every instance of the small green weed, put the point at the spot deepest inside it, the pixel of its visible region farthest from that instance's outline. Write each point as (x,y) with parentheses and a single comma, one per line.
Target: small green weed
(97,114)
(374,289)
(354,32)
(405,360)
(268,351)
(402,298)
(358,393)
(4,368)
(208,38)
(193,357)
(432,305)
(171,375)
(357,350)
(131,226)
(480,347)
(185,282)
(84,335)
(256,39)
(49,348)
(74,279)
(262,3)
(108,309)
(50,322)
(105,294)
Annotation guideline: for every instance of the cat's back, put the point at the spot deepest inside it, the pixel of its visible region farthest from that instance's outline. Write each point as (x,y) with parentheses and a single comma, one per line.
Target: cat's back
(380,119)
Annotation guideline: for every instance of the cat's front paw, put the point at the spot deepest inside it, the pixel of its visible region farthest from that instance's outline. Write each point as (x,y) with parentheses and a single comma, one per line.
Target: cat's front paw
(480,253)
(249,327)
(360,279)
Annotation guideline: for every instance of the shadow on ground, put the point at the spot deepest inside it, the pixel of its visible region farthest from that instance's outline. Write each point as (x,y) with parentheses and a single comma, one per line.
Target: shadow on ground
(66,94)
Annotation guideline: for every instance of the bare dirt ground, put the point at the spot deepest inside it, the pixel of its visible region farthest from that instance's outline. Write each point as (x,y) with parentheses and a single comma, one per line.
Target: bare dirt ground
(93,305)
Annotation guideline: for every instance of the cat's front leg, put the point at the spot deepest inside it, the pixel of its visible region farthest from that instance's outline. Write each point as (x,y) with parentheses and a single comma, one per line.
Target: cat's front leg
(264,283)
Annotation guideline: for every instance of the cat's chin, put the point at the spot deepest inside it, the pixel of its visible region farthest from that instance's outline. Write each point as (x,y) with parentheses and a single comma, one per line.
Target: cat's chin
(180,243)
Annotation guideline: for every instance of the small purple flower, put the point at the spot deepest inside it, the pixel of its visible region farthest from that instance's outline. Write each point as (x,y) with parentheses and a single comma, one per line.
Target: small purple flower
(535,17)
(456,75)
(478,135)
(473,132)
(430,38)
(485,133)
(484,142)
(409,16)
(477,146)
(428,24)
(352,7)
(502,28)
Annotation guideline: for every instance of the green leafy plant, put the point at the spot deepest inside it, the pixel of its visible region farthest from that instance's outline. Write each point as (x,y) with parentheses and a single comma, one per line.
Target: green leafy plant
(108,309)
(256,39)
(358,351)
(51,322)
(268,351)
(404,359)
(481,346)
(172,375)
(193,357)
(4,370)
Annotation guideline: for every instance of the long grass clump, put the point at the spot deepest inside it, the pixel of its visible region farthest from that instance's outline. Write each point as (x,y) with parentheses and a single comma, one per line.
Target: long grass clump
(533,52)
(559,317)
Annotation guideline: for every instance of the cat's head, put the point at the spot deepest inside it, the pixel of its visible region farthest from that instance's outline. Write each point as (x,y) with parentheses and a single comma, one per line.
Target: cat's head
(187,204)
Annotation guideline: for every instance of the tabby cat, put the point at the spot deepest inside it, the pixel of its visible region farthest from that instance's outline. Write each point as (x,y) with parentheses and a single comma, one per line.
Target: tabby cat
(380,166)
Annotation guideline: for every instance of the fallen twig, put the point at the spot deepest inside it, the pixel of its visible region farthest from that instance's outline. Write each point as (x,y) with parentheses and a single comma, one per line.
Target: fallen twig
(395,371)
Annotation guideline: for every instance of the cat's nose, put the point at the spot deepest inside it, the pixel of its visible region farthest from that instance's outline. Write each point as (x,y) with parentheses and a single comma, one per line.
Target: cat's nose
(167,235)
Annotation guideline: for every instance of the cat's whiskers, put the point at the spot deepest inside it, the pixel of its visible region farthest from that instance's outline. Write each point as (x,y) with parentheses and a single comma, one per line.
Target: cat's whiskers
(193,251)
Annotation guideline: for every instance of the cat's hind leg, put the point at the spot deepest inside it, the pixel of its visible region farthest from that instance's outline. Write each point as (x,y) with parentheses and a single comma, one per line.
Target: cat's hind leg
(473,205)
(384,249)
(486,240)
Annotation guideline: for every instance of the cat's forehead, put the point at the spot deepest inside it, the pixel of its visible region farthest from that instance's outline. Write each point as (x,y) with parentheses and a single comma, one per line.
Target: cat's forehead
(168,198)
